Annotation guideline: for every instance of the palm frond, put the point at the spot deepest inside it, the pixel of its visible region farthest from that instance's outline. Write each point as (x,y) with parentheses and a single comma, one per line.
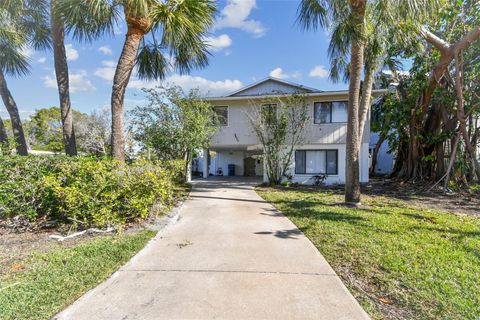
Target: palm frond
(12,61)
(151,63)
(184,25)
(89,19)
(312,14)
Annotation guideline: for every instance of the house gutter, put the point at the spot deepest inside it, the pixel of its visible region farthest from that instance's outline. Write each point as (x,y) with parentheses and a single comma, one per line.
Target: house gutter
(375,93)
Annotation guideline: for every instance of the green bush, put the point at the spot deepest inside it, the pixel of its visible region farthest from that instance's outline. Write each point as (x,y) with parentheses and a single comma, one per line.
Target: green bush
(93,191)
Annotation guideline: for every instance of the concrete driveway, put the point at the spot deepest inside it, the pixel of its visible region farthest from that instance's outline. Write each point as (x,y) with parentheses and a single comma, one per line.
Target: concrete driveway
(231,255)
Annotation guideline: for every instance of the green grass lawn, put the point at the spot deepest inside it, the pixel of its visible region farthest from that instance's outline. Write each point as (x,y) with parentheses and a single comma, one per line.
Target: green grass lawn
(51,281)
(399,261)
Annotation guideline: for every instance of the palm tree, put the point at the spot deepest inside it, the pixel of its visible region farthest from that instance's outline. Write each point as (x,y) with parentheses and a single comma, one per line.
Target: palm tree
(61,72)
(179,26)
(321,13)
(21,26)
(348,47)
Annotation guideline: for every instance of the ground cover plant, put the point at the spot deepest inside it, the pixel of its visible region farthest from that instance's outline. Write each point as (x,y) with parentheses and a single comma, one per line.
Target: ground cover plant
(400,262)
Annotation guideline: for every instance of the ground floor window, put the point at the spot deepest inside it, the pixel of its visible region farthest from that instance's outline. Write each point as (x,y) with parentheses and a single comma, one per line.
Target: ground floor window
(316,162)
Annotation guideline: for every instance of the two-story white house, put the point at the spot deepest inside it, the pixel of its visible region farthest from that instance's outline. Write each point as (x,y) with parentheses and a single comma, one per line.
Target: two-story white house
(236,146)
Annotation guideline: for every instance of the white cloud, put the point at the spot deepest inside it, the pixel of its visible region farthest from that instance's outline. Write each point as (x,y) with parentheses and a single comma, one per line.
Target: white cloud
(42,60)
(187,82)
(78,81)
(71,52)
(278,73)
(319,72)
(105,50)
(219,43)
(235,15)
(109,63)
(107,71)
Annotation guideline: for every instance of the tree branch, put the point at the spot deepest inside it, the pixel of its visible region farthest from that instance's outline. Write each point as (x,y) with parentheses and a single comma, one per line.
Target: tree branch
(439,44)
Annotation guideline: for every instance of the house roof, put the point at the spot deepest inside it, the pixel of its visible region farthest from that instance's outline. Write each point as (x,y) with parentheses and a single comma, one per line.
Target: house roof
(338,95)
(271,86)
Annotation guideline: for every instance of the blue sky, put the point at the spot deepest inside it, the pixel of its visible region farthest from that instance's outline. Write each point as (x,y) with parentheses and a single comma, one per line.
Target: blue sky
(251,40)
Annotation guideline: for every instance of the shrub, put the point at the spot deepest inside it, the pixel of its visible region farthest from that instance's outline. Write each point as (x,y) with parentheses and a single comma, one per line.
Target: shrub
(93,191)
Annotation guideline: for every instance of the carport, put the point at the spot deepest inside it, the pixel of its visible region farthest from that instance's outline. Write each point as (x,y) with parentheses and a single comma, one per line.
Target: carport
(234,160)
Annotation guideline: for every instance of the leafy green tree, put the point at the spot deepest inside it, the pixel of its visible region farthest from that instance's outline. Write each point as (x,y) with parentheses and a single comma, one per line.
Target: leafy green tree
(21,26)
(44,129)
(279,124)
(436,108)
(179,26)
(174,124)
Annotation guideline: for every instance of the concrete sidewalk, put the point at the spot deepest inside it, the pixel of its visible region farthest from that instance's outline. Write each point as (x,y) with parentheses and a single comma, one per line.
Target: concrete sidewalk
(231,255)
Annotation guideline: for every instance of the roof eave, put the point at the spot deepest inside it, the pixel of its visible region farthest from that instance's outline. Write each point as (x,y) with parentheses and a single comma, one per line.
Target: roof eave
(375,93)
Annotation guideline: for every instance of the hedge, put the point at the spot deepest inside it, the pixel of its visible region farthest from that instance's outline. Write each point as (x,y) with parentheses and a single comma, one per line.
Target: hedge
(94,191)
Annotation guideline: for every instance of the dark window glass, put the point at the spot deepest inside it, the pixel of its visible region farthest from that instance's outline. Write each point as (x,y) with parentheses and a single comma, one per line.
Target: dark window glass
(269,113)
(322,112)
(222,115)
(316,162)
(300,161)
(332,162)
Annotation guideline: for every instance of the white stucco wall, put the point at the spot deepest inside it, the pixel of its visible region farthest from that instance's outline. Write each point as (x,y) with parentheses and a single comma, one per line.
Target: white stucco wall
(340,177)
(240,133)
(224,158)
(385,160)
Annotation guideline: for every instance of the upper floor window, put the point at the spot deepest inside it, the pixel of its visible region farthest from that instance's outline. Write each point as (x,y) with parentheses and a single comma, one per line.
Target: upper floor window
(222,115)
(269,113)
(330,112)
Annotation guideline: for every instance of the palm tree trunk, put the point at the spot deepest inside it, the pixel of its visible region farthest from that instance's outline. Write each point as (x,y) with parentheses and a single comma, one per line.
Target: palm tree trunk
(352,163)
(353,144)
(21,143)
(120,82)
(61,71)
(366,100)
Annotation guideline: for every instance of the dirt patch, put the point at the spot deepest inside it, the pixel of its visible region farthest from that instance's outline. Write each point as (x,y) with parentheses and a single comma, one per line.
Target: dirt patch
(15,246)
(413,195)
(421,195)
(19,237)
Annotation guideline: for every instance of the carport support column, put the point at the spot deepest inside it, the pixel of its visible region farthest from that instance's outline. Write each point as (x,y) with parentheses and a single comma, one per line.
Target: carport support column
(205,163)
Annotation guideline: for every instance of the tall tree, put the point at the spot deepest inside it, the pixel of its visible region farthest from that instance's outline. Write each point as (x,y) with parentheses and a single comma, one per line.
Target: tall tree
(22,24)
(350,41)
(61,72)
(12,62)
(174,124)
(316,13)
(17,128)
(179,24)
(279,124)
